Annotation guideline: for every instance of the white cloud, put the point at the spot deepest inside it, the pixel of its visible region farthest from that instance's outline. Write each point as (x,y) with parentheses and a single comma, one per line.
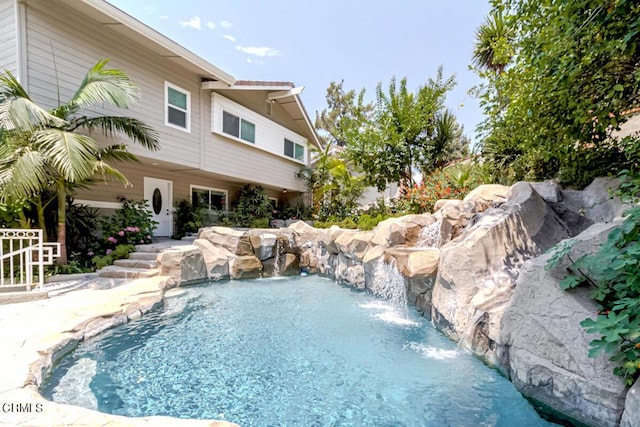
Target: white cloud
(230,38)
(194,22)
(211,25)
(259,51)
(226,24)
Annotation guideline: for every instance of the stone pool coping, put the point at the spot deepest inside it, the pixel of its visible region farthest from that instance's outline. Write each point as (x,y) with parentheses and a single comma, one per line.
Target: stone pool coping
(35,334)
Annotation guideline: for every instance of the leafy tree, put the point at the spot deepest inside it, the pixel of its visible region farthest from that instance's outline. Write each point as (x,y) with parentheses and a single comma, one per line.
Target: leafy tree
(572,77)
(400,137)
(494,44)
(345,116)
(42,149)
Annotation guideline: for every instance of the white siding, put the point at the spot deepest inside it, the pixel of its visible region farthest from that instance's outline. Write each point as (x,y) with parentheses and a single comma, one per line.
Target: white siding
(8,37)
(75,48)
(270,136)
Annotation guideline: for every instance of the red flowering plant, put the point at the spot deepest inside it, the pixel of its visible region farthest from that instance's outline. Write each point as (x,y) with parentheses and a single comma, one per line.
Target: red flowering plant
(441,184)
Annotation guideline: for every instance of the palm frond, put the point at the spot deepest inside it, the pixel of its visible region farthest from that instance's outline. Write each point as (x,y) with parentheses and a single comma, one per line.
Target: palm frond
(70,154)
(105,85)
(135,129)
(23,175)
(117,152)
(17,110)
(105,170)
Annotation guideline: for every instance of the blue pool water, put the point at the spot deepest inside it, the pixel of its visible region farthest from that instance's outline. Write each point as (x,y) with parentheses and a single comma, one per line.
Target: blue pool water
(289,352)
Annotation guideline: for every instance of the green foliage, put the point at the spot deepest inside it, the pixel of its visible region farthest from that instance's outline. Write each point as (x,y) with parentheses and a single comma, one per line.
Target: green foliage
(73,267)
(566,77)
(252,203)
(403,137)
(187,219)
(260,223)
(121,251)
(334,184)
(82,225)
(367,222)
(131,225)
(613,273)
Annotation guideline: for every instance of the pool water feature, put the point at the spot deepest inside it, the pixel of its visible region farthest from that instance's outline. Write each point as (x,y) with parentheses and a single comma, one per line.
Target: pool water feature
(298,351)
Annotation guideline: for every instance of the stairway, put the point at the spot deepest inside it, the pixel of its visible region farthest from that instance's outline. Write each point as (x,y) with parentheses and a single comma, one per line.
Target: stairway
(139,264)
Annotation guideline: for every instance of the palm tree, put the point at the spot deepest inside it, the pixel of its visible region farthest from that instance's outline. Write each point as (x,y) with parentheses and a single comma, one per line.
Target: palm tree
(493,49)
(42,149)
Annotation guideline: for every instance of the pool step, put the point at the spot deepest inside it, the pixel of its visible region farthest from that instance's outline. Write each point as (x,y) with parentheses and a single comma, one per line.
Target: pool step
(149,256)
(136,263)
(115,271)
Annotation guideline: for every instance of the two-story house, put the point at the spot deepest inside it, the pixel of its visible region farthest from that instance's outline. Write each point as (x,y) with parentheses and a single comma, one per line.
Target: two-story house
(216,133)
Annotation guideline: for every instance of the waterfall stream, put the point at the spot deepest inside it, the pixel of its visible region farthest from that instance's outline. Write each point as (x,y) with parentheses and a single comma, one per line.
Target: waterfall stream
(430,236)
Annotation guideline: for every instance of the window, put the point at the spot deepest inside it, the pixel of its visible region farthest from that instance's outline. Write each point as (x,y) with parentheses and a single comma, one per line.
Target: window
(240,128)
(208,198)
(293,150)
(178,102)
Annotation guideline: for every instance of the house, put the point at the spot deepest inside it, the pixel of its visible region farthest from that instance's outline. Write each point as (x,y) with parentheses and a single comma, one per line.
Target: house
(216,133)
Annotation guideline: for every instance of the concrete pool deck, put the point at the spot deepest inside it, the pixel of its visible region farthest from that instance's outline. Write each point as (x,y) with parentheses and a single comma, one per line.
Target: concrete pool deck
(35,334)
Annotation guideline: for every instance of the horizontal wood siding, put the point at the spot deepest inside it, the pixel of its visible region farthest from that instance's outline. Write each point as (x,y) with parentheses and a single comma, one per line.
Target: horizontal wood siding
(75,48)
(59,55)
(182,181)
(8,36)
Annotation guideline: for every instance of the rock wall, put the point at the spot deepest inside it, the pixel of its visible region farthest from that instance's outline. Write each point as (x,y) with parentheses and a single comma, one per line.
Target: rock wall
(476,267)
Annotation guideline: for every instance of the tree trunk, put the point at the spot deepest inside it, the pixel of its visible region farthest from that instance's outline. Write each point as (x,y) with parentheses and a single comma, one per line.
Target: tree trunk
(41,221)
(62,222)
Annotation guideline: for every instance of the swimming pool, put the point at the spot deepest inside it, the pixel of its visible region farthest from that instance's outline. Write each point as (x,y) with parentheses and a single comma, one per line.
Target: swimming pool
(296,351)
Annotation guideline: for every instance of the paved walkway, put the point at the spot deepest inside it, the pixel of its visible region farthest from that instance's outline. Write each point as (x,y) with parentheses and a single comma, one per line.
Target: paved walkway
(36,332)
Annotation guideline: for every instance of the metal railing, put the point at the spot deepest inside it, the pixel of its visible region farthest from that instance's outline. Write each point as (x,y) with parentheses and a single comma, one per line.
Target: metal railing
(23,256)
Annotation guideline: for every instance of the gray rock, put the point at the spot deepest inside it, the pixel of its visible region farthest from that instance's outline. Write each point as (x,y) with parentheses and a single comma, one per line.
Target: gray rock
(545,350)
(478,270)
(549,190)
(183,264)
(216,259)
(631,415)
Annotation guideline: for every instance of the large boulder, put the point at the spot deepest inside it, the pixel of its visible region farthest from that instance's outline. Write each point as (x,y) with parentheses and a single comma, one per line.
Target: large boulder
(400,231)
(245,267)
(216,259)
(183,264)
(306,241)
(544,350)
(235,241)
(488,196)
(354,244)
(478,270)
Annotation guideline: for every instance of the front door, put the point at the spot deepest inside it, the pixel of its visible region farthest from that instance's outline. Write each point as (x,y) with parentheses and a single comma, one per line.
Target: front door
(158,194)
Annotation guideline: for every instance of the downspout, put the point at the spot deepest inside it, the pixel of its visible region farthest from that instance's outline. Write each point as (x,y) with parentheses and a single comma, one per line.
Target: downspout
(203,112)
(21,43)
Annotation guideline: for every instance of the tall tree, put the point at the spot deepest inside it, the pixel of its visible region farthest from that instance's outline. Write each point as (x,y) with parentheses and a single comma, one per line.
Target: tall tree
(42,149)
(345,115)
(494,44)
(399,140)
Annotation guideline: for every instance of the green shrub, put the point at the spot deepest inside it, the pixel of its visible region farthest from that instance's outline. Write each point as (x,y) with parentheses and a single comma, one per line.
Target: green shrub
(367,222)
(130,225)
(260,223)
(187,219)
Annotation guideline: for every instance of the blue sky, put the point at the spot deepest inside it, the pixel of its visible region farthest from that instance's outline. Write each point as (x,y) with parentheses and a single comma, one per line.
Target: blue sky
(315,43)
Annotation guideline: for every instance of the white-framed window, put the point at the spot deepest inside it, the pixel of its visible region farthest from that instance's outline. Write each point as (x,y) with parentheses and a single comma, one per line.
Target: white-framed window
(213,199)
(293,150)
(238,127)
(177,111)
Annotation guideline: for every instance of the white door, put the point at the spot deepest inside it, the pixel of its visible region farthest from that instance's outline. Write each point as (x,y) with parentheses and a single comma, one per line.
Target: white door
(159,194)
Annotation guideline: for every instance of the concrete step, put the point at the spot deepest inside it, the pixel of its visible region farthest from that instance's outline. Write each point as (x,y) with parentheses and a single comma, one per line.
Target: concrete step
(149,256)
(115,271)
(136,263)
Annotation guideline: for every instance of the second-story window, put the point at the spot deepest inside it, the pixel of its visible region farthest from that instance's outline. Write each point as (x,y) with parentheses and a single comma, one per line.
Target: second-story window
(293,150)
(238,127)
(177,108)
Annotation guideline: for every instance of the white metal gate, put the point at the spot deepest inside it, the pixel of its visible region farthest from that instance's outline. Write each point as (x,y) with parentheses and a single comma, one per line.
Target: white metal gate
(23,256)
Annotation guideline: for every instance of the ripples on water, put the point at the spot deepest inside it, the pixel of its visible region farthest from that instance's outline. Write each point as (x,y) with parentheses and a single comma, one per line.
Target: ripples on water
(296,352)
